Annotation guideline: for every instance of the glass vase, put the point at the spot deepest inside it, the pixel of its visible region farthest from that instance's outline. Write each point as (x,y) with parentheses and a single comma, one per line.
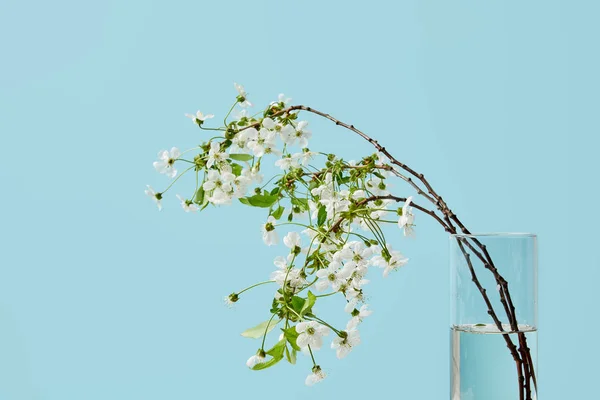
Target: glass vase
(493,333)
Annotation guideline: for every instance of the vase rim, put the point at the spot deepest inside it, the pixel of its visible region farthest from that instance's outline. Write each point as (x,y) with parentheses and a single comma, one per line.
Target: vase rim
(495,234)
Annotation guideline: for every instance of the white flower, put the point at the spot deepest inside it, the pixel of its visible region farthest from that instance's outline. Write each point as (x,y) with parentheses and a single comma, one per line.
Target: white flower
(215,155)
(359,194)
(293,241)
(301,134)
(270,236)
(241,185)
(240,140)
(304,157)
(199,118)
(285,275)
(335,202)
(231,299)
(286,133)
(242,96)
(240,114)
(395,261)
(377,186)
(354,293)
(326,187)
(258,358)
(343,345)
(331,276)
(380,208)
(253,174)
(166,162)
(357,314)
(310,333)
(281,99)
(317,376)
(407,218)
(221,186)
(269,124)
(187,205)
(286,162)
(262,142)
(358,254)
(155,196)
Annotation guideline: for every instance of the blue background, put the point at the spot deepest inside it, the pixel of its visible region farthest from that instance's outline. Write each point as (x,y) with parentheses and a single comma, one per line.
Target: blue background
(103,297)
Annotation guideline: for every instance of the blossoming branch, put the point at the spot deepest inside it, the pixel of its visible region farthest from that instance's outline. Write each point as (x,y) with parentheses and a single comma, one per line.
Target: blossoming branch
(336,210)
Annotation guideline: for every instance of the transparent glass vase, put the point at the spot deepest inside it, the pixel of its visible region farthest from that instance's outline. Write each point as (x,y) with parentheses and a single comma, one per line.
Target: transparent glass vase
(494,311)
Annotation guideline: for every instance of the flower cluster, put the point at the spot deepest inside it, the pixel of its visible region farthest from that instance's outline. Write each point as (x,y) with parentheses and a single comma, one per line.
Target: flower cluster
(338,209)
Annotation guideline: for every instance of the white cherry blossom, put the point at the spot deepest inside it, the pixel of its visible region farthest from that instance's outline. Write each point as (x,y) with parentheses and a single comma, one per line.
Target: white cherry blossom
(286,162)
(315,377)
(282,99)
(258,358)
(270,236)
(293,241)
(304,157)
(166,163)
(343,345)
(215,155)
(155,196)
(301,134)
(262,142)
(394,263)
(333,276)
(310,333)
(242,96)
(199,117)
(377,186)
(358,315)
(286,274)
(240,140)
(187,205)
(253,174)
(219,185)
(407,218)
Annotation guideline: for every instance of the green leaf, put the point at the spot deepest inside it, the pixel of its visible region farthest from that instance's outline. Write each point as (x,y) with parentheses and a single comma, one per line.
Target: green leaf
(307,306)
(259,200)
(290,217)
(302,203)
(298,303)
(236,169)
(278,212)
(259,330)
(291,335)
(290,355)
(241,157)
(344,180)
(276,352)
(199,197)
(322,216)
(267,364)
(377,174)
(274,192)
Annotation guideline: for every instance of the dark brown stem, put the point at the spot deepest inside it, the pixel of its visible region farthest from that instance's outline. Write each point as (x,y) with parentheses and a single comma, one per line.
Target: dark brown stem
(509,343)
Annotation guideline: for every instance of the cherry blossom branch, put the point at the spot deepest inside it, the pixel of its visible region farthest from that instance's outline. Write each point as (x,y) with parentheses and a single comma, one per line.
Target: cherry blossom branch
(450,218)
(335,227)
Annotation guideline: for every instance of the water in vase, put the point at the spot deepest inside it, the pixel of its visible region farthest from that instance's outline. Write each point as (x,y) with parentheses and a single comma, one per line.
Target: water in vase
(482,367)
